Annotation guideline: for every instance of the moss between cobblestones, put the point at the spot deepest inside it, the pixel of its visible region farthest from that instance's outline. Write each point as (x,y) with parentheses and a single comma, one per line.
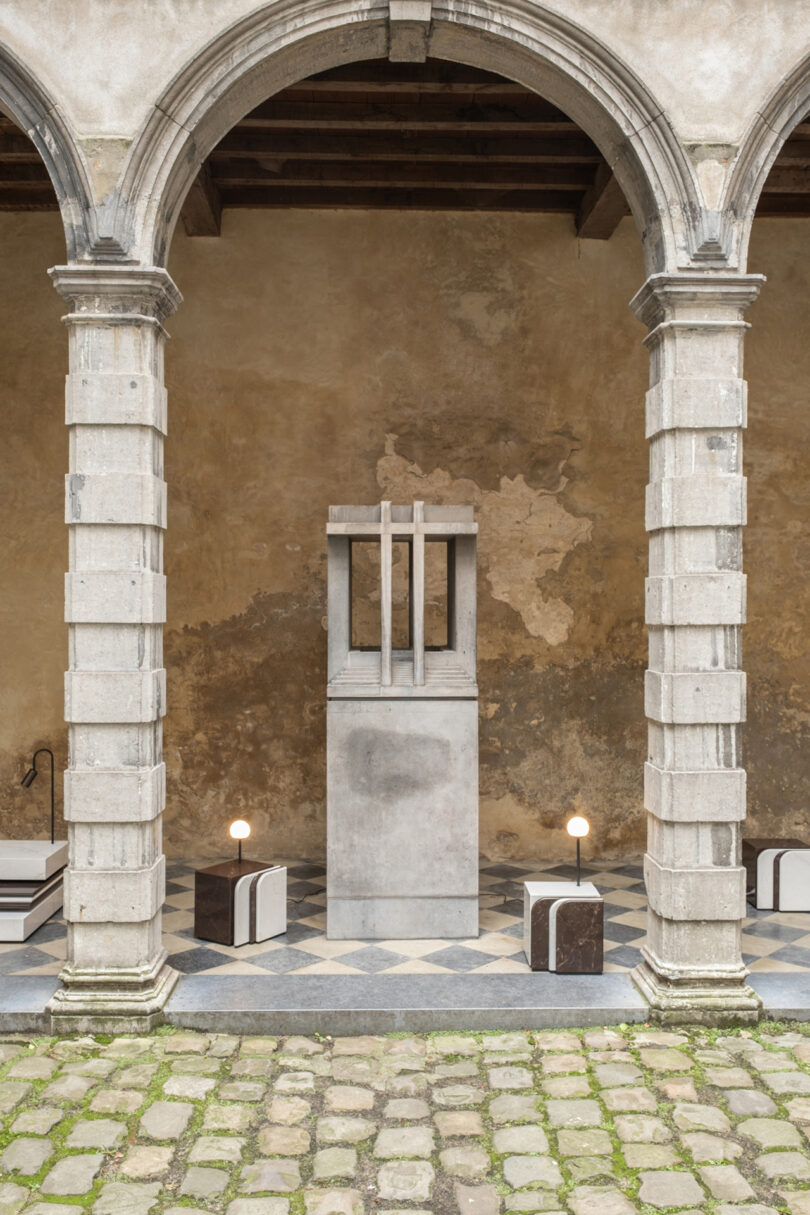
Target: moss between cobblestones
(622,1176)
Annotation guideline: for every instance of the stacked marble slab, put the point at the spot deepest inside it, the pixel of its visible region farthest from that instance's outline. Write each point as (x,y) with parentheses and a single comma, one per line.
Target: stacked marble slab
(30,885)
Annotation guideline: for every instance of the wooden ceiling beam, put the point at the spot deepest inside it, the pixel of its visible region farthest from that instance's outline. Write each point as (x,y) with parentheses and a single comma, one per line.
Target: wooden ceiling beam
(397,145)
(348,115)
(795,150)
(375,183)
(234,173)
(32,174)
(788,179)
(773,205)
(330,198)
(603,207)
(202,209)
(23,199)
(14,146)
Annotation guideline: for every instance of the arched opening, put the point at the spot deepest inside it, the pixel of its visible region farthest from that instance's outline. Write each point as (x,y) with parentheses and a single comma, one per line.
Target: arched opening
(693,509)
(40,176)
(258,57)
(33,543)
(415,274)
(773,198)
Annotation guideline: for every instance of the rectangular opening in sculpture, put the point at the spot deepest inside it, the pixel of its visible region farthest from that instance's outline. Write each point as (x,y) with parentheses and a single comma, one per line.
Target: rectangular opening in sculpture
(365,595)
(437,596)
(401,595)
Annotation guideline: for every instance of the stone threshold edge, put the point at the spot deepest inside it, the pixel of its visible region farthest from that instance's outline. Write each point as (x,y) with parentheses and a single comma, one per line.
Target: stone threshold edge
(354,1004)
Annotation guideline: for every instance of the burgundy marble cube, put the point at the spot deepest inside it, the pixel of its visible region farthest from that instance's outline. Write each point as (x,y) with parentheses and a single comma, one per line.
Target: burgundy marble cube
(239,902)
(563,927)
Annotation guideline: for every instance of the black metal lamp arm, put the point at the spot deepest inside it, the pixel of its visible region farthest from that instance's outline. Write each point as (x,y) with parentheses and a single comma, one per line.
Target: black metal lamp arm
(47,751)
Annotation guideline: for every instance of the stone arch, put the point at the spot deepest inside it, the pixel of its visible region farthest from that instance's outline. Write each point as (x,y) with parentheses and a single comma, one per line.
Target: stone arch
(26,101)
(759,147)
(281,43)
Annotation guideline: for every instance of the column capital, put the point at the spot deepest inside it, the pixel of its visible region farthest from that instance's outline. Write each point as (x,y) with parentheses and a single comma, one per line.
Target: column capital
(117,293)
(693,296)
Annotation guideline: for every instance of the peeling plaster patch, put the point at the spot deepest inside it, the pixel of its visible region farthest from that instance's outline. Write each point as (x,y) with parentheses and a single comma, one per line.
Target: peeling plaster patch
(525,534)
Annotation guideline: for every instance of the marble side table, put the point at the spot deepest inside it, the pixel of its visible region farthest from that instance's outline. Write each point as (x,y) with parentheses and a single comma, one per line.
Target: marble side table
(240,902)
(777,874)
(563,927)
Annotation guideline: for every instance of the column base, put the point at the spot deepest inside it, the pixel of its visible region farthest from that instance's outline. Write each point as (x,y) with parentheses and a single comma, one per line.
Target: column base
(112,1000)
(697,1002)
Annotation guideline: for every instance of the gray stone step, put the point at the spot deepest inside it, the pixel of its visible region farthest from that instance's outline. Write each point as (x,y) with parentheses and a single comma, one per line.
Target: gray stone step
(349,1004)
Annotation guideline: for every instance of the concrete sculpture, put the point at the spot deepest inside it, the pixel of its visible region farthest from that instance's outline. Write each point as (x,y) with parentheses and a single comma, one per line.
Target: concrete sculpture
(402,729)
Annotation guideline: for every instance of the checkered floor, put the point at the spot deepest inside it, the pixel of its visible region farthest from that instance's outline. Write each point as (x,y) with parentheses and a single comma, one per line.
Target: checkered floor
(772,941)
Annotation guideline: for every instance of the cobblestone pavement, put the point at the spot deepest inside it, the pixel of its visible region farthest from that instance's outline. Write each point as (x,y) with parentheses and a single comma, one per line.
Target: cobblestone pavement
(593,1122)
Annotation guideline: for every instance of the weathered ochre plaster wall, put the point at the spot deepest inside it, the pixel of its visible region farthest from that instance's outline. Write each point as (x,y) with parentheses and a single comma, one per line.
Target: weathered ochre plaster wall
(343,357)
(346,357)
(33,537)
(776,648)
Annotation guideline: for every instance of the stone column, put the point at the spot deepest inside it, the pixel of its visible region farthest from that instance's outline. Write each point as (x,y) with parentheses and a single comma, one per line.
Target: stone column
(116,976)
(694,789)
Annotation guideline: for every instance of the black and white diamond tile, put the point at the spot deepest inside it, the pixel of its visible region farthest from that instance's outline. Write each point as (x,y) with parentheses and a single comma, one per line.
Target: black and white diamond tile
(772,941)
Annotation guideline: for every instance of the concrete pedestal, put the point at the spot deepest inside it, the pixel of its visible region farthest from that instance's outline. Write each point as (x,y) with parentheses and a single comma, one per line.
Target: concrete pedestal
(402,826)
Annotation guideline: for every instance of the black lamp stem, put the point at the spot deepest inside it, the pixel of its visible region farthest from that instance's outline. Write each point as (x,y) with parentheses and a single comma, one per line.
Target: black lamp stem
(240,852)
(48,751)
(578,854)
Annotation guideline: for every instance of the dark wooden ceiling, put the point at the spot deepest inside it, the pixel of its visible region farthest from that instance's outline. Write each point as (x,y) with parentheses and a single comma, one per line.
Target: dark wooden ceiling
(436,136)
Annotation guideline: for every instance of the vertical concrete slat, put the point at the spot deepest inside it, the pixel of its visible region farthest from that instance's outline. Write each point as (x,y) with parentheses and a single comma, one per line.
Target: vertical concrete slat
(116,975)
(339,640)
(695,687)
(418,595)
(386,593)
